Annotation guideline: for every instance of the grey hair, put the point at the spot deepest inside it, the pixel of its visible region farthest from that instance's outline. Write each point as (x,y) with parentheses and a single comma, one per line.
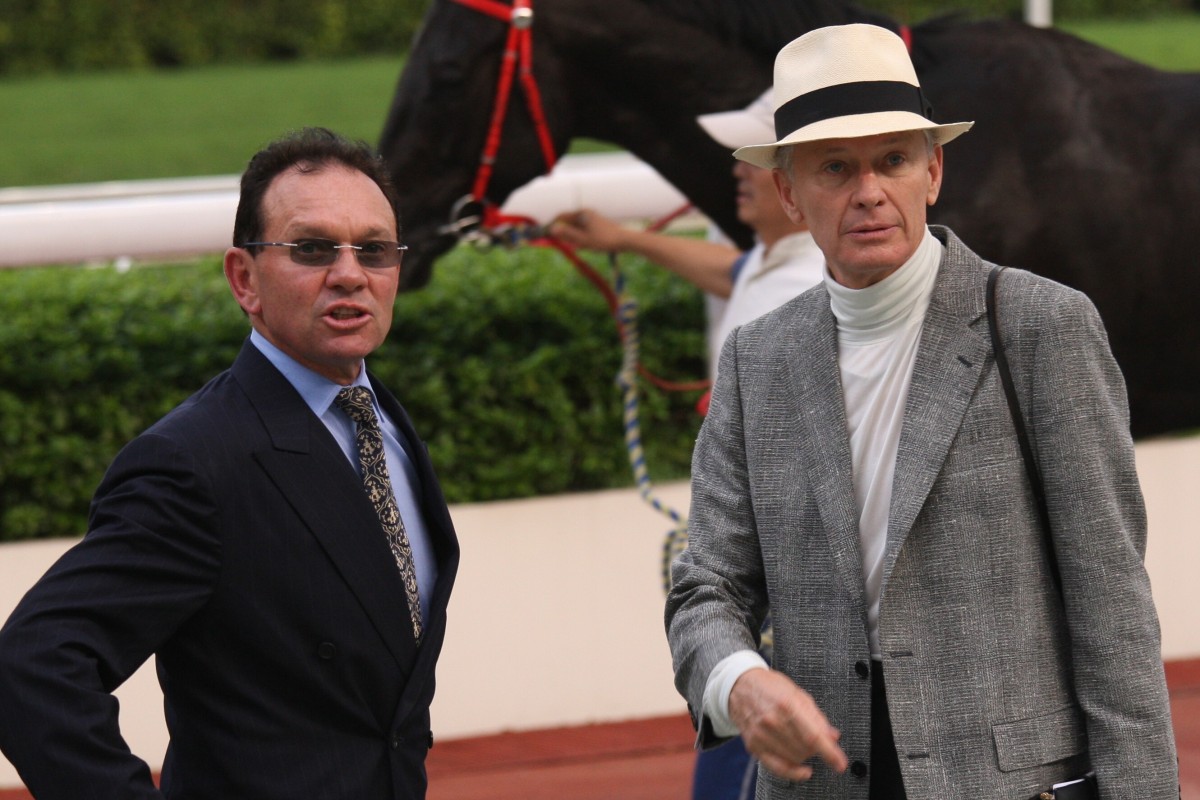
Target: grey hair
(783,159)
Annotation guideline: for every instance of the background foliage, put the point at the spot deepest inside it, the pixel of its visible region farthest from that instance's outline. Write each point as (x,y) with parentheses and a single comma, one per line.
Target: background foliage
(505,363)
(38,36)
(50,35)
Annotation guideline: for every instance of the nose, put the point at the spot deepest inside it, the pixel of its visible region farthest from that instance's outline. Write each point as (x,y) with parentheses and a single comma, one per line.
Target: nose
(868,191)
(345,272)
(743,171)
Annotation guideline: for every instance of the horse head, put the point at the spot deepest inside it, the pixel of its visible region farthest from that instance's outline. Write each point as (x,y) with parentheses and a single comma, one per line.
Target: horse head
(620,72)
(434,134)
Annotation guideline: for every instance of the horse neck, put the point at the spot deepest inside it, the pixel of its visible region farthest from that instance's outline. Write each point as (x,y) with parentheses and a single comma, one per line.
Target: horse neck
(639,79)
(765,26)
(631,67)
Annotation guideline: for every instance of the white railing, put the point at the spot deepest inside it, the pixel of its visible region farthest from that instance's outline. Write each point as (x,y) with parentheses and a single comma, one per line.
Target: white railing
(189,216)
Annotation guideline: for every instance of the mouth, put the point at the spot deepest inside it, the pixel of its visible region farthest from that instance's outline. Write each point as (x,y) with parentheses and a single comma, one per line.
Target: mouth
(870,230)
(346,317)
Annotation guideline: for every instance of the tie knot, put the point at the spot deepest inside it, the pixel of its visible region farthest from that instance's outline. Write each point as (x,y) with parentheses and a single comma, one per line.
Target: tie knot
(356,402)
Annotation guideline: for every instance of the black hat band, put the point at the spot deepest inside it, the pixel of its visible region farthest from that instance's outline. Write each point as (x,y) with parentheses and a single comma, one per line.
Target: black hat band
(846,99)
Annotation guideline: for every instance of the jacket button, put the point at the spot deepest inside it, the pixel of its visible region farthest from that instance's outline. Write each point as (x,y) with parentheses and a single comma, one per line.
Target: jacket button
(397,740)
(862,669)
(326,651)
(858,769)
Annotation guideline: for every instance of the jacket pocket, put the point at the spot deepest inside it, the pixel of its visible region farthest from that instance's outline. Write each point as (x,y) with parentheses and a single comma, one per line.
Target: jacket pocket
(1043,739)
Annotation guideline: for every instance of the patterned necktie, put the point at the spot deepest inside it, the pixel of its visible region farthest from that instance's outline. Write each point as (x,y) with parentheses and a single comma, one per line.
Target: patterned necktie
(356,402)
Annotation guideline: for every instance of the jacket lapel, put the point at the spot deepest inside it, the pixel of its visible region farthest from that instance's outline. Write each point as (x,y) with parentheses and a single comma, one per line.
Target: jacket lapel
(304,455)
(949,365)
(825,443)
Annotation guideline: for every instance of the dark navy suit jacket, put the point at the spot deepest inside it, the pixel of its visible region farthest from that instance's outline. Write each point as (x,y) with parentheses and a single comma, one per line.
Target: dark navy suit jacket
(232,539)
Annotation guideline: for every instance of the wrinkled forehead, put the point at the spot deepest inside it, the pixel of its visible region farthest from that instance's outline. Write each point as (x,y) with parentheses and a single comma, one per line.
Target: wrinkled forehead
(327,199)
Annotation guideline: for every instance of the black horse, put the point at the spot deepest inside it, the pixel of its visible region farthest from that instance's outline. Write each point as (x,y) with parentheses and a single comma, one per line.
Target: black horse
(1083,166)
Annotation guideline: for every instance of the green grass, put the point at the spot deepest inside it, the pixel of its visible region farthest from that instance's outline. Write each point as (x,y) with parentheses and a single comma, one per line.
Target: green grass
(204,121)
(1167,42)
(208,121)
(173,123)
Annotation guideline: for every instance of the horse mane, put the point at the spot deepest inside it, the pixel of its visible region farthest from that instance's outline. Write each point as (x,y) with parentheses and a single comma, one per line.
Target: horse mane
(763,27)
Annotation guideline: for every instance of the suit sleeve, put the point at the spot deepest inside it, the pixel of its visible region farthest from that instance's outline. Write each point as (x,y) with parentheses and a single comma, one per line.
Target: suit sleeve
(717,600)
(1079,420)
(147,563)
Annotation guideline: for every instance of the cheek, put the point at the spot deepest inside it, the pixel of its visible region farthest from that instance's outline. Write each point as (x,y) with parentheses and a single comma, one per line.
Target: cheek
(384,291)
(816,212)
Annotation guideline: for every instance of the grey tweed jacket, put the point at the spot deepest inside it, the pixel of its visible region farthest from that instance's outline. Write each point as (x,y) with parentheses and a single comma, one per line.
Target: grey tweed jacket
(998,683)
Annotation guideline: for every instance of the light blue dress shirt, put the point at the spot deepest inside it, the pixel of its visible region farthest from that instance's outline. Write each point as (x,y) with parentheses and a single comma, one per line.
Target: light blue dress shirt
(318,393)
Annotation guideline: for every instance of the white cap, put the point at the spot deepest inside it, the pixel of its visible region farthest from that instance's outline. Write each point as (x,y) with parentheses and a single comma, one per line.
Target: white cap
(754,124)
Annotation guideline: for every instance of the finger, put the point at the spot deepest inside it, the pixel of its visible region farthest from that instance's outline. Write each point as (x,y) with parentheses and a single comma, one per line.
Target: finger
(785,769)
(826,748)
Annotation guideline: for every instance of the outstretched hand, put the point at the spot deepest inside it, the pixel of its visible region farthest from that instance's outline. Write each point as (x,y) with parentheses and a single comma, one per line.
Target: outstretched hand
(589,230)
(782,726)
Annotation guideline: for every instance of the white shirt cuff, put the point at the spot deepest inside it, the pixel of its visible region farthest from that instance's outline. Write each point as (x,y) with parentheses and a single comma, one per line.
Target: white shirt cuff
(720,684)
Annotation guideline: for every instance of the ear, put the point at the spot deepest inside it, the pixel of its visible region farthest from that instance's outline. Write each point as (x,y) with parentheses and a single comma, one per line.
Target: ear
(935,175)
(242,279)
(783,185)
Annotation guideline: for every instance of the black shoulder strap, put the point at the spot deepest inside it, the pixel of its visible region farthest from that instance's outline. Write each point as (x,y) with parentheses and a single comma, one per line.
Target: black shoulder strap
(1014,407)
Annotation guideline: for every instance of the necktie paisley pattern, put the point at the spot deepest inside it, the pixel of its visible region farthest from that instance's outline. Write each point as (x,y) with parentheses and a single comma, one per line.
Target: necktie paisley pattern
(356,402)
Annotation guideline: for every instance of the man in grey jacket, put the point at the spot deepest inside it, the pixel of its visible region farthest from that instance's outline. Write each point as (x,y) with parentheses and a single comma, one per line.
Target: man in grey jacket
(859,475)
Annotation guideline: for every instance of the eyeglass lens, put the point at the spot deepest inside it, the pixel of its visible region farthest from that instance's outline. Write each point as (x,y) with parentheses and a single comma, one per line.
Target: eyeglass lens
(323,252)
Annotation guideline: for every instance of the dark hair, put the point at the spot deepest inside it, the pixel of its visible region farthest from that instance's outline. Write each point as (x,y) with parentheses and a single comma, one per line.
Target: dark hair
(307,150)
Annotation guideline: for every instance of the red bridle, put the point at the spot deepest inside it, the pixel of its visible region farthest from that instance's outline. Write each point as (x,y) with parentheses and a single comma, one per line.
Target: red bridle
(518,52)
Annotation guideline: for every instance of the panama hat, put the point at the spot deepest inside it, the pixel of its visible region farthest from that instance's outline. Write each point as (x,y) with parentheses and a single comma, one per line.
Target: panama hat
(753,124)
(843,82)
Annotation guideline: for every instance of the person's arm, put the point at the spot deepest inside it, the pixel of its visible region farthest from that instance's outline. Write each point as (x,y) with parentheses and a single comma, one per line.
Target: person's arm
(707,265)
(1077,412)
(718,600)
(147,563)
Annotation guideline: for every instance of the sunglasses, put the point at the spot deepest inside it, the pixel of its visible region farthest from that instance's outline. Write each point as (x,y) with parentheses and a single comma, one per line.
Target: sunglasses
(324,252)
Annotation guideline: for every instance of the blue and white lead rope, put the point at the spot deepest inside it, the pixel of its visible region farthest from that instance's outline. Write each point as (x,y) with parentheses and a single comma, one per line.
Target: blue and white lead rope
(676,538)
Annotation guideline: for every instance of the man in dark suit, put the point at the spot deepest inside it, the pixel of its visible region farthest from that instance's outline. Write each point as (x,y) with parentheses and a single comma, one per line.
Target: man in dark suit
(279,541)
(860,476)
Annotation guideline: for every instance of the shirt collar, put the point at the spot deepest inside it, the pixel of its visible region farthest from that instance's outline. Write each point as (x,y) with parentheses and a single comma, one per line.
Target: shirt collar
(891,303)
(317,391)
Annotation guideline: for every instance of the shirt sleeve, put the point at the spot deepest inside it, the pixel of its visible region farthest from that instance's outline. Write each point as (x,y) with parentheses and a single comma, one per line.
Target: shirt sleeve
(720,684)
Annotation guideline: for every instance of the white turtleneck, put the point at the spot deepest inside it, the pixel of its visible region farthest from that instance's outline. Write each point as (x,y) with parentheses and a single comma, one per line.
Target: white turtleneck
(878,331)
(879,328)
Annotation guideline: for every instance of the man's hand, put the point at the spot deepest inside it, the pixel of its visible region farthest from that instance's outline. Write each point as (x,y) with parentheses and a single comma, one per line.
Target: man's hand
(781,725)
(589,230)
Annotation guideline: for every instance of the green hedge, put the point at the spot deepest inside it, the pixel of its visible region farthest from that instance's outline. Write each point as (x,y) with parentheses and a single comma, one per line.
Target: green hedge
(506,362)
(72,35)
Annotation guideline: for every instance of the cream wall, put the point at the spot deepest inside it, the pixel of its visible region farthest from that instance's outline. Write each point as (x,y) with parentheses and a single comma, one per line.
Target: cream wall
(556,618)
